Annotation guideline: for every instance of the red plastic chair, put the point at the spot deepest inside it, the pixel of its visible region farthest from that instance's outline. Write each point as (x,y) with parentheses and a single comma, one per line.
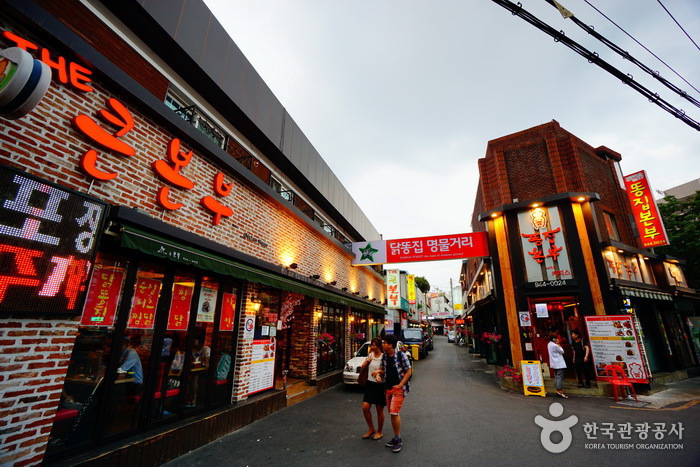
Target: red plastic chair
(619,378)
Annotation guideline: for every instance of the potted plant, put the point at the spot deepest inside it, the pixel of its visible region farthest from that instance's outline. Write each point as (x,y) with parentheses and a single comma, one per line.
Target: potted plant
(490,337)
(510,378)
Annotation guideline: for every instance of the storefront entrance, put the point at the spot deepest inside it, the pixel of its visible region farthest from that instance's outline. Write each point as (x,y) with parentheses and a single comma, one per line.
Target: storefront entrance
(553,314)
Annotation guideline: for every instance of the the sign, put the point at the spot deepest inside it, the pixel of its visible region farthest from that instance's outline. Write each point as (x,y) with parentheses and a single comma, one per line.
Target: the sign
(249,327)
(207,305)
(614,341)
(646,214)
(179,315)
(411,283)
(541,310)
(262,366)
(533,382)
(228,308)
(544,248)
(393,292)
(406,250)
(550,284)
(145,303)
(524,318)
(102,298)
(47,244)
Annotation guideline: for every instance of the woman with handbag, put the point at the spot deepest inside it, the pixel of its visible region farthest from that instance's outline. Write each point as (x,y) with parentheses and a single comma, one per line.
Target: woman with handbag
(374,390)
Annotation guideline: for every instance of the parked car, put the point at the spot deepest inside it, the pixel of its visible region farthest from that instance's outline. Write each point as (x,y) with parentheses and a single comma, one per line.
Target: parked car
(450,336)
(413,337)
(354,365)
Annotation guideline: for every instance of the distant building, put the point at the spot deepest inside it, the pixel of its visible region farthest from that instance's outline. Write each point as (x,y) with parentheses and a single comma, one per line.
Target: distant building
(681,192)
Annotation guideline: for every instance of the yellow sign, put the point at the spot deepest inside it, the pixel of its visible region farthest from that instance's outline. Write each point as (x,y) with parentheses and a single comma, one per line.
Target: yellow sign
(411,281)
(533,382)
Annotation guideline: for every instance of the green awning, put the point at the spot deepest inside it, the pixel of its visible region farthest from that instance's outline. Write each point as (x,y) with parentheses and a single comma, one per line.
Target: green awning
(163,248)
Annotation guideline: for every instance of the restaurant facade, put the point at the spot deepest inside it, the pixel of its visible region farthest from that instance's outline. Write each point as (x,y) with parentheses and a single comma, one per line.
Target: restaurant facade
(174,250)
(567,254)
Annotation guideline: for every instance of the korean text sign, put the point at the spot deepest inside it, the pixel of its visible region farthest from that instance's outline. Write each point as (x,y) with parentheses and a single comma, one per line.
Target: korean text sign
(393,291)
(614,341)
(47,244)
(406,250)
(646,214)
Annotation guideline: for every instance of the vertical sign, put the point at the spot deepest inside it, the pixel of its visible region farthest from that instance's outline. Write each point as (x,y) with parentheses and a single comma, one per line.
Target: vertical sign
(103,298)
(143,307)
(393,295)
(207,303)
(533,382)
(179,316)
(228,308)
(646,214)
(614,341)
(411,282)
(544,246)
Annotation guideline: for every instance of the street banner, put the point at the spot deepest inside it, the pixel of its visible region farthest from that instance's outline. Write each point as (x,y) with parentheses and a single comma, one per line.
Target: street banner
(411,282)
(646,214)
(614,341)
(393,292)
(406,250)
(533,382)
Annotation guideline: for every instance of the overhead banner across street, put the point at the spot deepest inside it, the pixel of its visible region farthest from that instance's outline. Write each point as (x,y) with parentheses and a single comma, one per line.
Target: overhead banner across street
(407,250)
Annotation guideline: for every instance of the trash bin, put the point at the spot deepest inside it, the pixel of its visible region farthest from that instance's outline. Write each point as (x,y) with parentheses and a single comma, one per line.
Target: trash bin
(414,352)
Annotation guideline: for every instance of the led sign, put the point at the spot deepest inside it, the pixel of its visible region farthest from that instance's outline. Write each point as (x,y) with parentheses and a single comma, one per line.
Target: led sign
(47,244)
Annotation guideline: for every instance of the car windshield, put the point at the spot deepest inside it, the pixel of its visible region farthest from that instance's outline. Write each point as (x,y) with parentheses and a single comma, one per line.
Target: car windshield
(412,334)
(364,350)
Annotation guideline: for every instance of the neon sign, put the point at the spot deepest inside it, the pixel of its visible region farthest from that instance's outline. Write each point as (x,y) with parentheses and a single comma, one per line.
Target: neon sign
(47,244)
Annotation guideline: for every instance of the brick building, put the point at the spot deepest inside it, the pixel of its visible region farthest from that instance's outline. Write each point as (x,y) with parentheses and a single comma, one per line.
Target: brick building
(173,247)
(565,247)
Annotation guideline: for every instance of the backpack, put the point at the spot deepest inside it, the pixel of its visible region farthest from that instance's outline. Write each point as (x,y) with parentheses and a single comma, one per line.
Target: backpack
(223,367)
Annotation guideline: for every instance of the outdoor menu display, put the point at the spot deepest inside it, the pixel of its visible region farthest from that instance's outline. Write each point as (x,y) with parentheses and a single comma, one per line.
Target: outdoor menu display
(614,341)
(533,383)
(262,368)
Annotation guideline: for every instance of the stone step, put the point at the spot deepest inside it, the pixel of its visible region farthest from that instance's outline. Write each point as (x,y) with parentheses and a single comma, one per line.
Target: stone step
(305,392)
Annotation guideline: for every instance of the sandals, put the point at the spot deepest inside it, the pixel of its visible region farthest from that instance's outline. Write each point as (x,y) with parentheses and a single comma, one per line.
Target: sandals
(562,395)
(368,436)
(377,436)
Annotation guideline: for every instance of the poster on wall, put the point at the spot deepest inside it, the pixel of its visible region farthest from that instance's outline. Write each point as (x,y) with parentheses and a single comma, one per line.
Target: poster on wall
(614,341)
(207,304)
(179,314)
(228,309)
(144,304)
(103,298)
(262,366)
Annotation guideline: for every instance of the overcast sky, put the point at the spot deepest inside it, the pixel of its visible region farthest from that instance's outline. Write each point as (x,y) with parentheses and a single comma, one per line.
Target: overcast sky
(401,97)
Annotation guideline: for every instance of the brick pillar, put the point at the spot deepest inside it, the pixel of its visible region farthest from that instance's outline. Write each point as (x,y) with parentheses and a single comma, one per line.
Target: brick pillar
(34,357)
(244,349)
(302,362)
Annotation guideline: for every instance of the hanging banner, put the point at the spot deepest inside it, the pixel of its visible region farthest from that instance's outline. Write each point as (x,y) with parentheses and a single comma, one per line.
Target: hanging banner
(406,250)
(207,303)
(102,298)
(393,293)
(179,316)
(411,283)
(144,304)
(614,341)
(228,308)
(651,228)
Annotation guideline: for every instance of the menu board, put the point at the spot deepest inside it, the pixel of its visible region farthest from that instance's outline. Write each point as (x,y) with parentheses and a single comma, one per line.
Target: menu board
(614,341)
(262,368)
(533,382)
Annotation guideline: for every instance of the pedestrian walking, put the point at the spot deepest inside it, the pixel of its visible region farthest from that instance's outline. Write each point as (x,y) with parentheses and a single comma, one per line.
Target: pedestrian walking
(374,391)
(582,353)
(395,370)
(557,363)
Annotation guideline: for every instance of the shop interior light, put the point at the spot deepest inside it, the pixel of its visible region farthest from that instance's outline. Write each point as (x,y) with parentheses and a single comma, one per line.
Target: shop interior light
(319,314)
(495,214)
(581,199)
(535,205)
(256,302)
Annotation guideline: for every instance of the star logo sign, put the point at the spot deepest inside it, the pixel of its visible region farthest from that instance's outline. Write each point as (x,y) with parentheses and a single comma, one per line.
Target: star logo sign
(368,252)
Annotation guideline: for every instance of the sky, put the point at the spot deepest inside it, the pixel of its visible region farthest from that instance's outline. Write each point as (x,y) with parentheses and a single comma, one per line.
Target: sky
(401,97)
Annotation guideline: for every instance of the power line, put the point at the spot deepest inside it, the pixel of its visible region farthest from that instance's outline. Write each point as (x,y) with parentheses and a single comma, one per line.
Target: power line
(592,57)
(679,24)
(655,74)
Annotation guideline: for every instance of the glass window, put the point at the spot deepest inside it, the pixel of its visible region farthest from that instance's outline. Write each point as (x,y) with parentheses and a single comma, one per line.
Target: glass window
(223,351)
(79,405)
(330,348)
(358,331)
(611,226)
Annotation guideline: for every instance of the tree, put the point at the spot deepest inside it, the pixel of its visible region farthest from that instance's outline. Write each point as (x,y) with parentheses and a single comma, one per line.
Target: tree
(682,221)
(423,284)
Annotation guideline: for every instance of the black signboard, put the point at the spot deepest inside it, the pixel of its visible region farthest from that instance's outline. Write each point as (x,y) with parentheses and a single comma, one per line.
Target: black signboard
(48,237)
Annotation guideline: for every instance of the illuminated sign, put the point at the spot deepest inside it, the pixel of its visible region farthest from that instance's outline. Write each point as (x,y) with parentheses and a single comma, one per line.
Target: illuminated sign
(393,292)
(544,247)
(406,250)
(47,244)
(411,282)
(646,215)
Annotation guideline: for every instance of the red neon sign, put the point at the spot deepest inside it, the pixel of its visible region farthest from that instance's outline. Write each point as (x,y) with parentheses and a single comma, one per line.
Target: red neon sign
(646,215)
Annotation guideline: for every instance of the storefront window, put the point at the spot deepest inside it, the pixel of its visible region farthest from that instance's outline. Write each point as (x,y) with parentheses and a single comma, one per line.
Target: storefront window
(358,331)
(79,406)
(330,348)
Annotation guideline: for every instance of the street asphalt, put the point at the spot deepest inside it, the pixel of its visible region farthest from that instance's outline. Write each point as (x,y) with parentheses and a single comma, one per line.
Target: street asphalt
(457,415)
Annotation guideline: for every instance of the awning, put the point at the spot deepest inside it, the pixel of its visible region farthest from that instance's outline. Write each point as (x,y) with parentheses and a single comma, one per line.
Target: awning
(155,245)
(644,293)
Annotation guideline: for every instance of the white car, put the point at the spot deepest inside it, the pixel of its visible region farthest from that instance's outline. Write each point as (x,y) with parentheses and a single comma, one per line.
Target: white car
(354,365)
(450,336)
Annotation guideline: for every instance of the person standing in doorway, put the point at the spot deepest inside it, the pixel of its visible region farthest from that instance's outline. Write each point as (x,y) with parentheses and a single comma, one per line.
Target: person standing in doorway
(374,391)
(557,363)
(582,353)
(395,370)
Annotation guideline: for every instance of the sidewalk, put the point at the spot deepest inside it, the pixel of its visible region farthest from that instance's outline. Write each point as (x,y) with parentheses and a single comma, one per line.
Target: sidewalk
(671,396)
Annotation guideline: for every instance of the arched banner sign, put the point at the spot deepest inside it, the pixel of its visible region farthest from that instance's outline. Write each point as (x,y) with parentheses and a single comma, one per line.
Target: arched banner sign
(406,250)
